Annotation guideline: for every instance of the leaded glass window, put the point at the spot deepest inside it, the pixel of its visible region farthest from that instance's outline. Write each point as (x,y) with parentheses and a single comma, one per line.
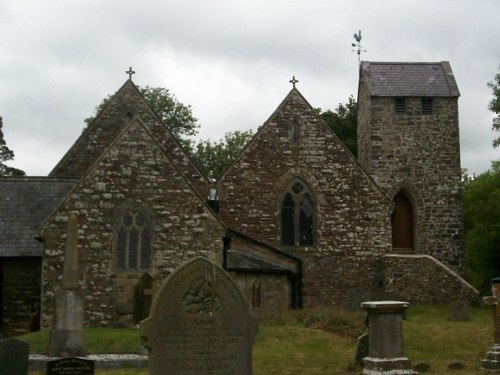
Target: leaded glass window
(297,215)
(133,242)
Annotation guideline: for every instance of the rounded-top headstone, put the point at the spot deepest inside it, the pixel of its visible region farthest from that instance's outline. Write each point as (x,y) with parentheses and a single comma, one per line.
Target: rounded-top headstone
(199,324)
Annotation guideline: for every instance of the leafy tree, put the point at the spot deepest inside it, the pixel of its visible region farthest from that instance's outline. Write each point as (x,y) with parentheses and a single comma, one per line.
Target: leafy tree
(213,158)
(344,123)
(494,106)
(175,115)
(482,227)
(7,154)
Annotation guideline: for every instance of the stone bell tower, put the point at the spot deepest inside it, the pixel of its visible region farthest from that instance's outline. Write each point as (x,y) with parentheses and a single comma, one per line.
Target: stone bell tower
(408,141)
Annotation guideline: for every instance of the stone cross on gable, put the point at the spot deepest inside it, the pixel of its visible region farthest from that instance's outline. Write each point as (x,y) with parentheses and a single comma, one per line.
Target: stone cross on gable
(130,72)
(494,300)
(293,81)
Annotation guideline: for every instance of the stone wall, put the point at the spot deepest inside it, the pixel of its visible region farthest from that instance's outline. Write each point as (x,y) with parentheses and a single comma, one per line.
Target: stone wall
(125,105)
(421,278)
(420,156)
(352,216)
(134,174)
(20,289)
(267,295)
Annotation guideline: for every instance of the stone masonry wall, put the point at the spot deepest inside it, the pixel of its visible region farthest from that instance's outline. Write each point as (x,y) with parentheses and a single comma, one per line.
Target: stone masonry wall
(124,106)
(133,174)
(421,278)
(21,288)
(352,227)
(419,155)
(275,293)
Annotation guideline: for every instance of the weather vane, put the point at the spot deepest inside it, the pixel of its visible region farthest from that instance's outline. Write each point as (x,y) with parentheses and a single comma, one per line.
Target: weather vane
(293,81)
(358,47)
(130,72)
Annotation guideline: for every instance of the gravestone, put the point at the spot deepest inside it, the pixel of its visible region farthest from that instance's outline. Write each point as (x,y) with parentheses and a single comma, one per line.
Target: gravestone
(66,336)
(492,360)
(199,324)
(385,338)
(13,357)
(459,310)
(70,366)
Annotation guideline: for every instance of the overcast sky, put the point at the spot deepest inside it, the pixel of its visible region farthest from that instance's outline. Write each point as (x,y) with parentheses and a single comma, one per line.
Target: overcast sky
(231,60)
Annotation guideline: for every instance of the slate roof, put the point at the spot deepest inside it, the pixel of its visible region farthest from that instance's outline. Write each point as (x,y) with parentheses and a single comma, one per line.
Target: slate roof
(409,79)
(25,202)
(241,260)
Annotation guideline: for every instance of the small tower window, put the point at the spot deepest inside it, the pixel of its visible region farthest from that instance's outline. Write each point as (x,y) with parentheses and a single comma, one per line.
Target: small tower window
(399,106)
(297,215)
(426,106)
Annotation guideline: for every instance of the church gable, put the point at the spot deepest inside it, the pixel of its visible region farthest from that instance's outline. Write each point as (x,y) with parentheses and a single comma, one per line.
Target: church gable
(136,214)
(295,147)
(297,187)
(125,105)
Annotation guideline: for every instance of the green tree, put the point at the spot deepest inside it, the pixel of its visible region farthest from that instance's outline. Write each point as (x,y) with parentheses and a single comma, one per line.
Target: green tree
(213,158)
(494,106)
(7,154)
(344,123)
(482,227)
(175,115)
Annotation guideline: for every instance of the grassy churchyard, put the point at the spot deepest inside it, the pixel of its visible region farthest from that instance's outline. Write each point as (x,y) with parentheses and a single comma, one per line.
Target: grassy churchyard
(322,342)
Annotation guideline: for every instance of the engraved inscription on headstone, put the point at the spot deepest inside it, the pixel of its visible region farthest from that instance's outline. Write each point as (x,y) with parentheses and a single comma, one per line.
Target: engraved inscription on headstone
(70,366)
(13,357)
(199,324)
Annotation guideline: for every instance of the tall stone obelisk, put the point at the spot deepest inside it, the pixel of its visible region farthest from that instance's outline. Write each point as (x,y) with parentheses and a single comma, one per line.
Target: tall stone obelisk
(66,336)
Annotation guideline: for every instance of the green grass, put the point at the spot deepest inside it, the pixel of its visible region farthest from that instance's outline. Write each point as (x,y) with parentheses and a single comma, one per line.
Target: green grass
(97,340)
(322,342)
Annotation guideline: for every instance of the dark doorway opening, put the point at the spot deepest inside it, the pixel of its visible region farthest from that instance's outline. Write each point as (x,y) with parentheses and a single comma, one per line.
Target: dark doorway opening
(402,225)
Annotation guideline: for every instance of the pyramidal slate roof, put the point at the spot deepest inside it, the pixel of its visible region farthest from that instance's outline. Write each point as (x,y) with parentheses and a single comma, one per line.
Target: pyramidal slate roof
(409,79)
(25,202)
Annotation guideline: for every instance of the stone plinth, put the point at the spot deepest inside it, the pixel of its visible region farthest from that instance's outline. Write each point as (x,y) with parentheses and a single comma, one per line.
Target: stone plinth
(66,336)
(492,360)
(385,336)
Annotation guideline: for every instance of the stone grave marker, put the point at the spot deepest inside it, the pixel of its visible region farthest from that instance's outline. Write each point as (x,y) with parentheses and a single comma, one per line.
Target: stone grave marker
(66,336)
(13,357)
(459,311)
(199,324)
(385,337)
(492,360)
(70,366)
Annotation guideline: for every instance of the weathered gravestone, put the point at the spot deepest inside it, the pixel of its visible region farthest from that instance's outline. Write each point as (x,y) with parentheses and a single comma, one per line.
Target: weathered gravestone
(385,337)
(199,324)
(459,310)
(492,360)
(13,357)
(66,336)
(70,366)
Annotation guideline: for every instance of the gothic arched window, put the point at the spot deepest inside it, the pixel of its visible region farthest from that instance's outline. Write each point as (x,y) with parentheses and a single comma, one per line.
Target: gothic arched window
(297,215)
(133,241)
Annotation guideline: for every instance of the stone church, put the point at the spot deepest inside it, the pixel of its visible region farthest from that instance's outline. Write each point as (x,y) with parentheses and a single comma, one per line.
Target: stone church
(297,220)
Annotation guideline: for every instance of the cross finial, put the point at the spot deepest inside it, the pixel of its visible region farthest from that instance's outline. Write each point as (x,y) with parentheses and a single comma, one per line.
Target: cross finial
(293,81)
(130,72)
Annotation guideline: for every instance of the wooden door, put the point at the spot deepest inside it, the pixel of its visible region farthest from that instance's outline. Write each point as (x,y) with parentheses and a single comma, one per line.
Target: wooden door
(402,225)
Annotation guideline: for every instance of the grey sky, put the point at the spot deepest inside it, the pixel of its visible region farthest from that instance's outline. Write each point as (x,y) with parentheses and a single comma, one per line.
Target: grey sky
(231,60)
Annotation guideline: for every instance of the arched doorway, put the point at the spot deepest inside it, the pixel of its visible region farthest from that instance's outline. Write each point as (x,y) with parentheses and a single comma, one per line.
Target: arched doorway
(402,225)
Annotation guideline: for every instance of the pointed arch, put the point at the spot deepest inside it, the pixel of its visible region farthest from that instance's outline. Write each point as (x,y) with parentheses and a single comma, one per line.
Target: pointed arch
(297,215)
(133,240)
(403,224)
